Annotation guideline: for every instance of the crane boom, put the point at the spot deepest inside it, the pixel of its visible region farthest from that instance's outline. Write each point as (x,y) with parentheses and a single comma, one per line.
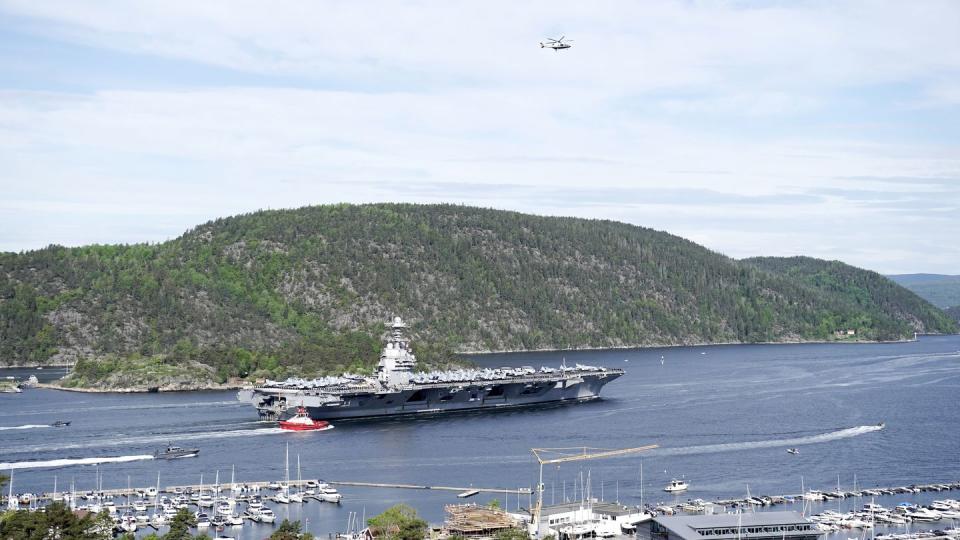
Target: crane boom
(581,456)
(584,455)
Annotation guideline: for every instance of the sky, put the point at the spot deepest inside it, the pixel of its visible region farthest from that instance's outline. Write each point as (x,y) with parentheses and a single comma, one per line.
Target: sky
(829,129)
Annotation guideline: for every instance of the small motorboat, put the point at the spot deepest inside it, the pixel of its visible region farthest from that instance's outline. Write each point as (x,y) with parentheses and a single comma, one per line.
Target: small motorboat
(176,452)
(793,451)
(60,423)
(302,422)
(676,486)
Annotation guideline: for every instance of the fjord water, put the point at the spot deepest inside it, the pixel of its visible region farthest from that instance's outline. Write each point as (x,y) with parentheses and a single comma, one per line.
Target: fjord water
(722,415)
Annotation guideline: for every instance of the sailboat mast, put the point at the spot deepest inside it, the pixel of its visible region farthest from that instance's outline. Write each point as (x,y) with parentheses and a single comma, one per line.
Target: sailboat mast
(286,471)
(838,493)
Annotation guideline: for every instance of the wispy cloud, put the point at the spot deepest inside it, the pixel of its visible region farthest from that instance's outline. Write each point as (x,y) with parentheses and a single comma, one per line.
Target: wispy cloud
(754,128)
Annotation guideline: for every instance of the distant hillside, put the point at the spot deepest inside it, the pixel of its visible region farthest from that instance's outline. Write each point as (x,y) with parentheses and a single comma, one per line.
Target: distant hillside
(884,303)
(940,290)
(307,291)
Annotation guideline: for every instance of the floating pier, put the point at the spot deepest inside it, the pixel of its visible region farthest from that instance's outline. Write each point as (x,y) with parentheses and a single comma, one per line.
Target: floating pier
(765,500)
(471,490)
(248,489)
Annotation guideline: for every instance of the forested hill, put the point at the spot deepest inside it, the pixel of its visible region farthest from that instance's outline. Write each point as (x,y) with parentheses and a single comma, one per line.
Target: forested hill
(307,290)
(886,304)
(940,290)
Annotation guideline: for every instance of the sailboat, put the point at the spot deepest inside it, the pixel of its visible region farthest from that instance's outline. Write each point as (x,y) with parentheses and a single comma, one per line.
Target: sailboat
(159,518)
(205,500)
(283,496)
(297,496)
(630,526)
(128,521)
(232,517)
(353,528)
(12,503)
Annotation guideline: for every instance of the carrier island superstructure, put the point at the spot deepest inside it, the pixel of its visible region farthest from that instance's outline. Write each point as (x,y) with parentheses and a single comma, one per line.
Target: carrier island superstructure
(397,390)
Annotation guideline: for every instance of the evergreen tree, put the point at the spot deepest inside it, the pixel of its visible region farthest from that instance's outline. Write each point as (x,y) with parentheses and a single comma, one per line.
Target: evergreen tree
(180,526)
(290,530)
(56,521)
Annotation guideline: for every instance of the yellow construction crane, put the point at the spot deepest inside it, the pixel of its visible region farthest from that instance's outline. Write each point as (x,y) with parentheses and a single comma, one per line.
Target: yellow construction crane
(567,455)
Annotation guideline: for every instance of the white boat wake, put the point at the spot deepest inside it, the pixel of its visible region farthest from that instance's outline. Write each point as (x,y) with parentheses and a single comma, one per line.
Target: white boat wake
(216,434)
(67,462)
(771,443)
(27,426)
(151,439)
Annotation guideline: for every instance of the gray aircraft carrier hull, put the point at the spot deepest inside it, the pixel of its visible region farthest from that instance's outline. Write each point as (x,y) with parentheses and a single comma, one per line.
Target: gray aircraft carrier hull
(435,398)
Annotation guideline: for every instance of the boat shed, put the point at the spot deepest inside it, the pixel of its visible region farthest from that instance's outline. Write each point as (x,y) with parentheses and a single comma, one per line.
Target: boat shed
(750,526)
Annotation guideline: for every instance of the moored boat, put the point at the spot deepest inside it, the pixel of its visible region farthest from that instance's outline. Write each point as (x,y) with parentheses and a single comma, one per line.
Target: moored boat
(328,493)
(267,516)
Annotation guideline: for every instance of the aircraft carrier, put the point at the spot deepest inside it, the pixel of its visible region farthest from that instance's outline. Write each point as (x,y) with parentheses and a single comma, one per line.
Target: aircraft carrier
(397,390)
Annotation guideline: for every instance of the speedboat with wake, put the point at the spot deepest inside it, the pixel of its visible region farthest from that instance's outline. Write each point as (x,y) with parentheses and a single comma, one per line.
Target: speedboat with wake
(793,451)
(176,452)
(60,423)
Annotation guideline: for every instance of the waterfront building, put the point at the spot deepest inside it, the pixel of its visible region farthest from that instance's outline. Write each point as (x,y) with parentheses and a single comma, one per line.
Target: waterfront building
(749,526)
(569,521)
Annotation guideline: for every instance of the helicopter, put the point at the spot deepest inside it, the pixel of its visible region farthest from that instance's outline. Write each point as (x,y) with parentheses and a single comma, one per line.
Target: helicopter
(556,44)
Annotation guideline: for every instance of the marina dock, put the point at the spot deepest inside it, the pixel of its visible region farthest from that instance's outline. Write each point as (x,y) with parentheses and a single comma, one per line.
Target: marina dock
(765,500)
(248,489)
(463,490)
(130,507)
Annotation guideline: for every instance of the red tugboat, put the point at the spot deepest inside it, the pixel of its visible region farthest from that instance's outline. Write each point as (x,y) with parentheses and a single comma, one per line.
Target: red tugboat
(302,422)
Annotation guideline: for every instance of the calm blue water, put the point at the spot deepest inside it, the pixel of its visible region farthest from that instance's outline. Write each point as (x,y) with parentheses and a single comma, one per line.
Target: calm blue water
(723,415)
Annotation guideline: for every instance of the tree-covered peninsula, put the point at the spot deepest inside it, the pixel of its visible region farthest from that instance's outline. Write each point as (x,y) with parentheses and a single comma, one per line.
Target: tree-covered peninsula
(306,291)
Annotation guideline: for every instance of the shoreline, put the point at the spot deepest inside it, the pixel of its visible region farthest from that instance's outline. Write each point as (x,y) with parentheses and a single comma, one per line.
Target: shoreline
(238,386)
(36,365)
(711,344)
(148,390)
